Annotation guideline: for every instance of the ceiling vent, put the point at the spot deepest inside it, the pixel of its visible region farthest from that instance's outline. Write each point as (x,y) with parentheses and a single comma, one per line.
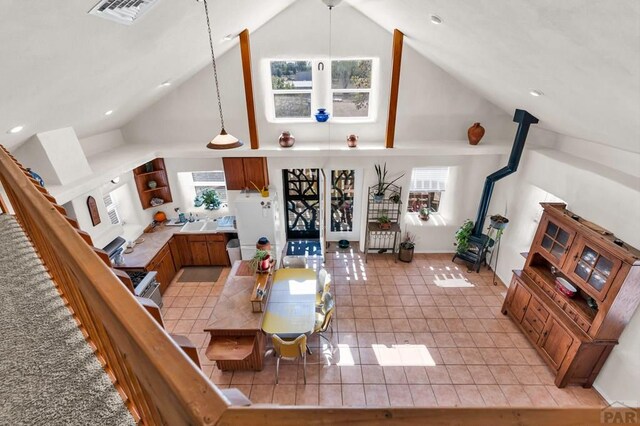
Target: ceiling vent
(122,11)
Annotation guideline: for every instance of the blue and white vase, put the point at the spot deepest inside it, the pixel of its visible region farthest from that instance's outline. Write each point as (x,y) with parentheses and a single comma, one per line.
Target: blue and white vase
(322,115)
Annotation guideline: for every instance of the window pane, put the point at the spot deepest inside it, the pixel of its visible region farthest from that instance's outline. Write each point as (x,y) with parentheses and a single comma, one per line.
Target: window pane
(604,265)
(552,229)
(293,105)
(418,200)
(351,74)
(547,242)
(589,256)
(342,192)
(217,176)
(347,104)
(597,281)
(291,75)
(582,270)
(557,251)
(221,190)
(429,179)
(563,237)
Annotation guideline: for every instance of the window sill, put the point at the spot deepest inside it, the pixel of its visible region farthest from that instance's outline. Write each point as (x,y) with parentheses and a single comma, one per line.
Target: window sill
(435,219)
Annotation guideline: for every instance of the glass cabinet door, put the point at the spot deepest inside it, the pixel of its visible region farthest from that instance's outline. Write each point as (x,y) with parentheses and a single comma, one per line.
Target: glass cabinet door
(593,268)
(554,241)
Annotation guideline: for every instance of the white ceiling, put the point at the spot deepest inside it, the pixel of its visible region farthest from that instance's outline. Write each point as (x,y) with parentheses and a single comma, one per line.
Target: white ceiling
(583,54)
(62,67)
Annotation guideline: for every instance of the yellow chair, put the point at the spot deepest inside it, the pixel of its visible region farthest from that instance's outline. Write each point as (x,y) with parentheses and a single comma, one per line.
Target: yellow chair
(323,319)
(323,285)
(290,350)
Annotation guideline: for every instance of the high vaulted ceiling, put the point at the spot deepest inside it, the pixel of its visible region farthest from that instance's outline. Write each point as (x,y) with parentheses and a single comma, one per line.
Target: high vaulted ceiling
(62,67)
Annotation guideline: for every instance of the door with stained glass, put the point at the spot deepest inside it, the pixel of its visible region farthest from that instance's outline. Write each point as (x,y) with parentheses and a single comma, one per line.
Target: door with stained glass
(302,201)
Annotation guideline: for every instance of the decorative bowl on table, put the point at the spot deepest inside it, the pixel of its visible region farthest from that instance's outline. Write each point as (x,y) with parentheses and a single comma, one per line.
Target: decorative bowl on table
(565,287)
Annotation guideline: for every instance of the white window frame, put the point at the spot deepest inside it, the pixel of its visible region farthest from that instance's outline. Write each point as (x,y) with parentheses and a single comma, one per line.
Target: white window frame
(321,90)
(223,183)
(112,207)
(429,190)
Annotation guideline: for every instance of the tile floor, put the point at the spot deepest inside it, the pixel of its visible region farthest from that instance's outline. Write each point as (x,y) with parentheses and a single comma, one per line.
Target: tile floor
(399,340)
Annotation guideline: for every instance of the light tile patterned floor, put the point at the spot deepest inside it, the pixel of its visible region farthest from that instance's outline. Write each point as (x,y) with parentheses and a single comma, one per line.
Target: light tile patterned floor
(399,340)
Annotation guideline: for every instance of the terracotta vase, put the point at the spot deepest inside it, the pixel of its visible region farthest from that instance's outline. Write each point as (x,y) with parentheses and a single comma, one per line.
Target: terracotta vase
(475,133)
(352,141)
(286,140)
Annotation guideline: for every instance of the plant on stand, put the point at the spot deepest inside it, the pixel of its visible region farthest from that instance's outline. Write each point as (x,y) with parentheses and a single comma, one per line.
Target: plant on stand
(384,222)
(424,213)
(209,199)
(261,262)
(405,254)
(382,184)
(462,236)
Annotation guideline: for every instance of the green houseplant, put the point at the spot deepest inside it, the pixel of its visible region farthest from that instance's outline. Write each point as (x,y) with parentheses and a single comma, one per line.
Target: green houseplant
(209,199)
(405,254)
(260,262)
(382,184)
(384,222)
(424,213)
(462,236)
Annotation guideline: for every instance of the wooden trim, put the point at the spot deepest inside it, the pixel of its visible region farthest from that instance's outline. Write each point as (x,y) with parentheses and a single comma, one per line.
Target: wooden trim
(398,40)
(288,415)
(245,53)
(3,206)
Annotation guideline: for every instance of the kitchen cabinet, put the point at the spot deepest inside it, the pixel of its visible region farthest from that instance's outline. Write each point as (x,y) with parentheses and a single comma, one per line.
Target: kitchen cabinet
(217,248)
(175,253)
(574,335)
(163,264)
(243,172)
(184,252)
(201,249)
(152,182)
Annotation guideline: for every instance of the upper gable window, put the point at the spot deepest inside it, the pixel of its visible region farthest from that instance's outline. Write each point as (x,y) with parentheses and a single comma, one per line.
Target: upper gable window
(344,87)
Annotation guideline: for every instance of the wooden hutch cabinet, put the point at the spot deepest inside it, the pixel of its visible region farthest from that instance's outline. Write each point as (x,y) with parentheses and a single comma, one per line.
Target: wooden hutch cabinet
(574,335)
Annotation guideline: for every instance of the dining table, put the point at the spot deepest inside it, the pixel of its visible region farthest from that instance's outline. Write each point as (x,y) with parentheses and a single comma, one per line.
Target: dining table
(291,309)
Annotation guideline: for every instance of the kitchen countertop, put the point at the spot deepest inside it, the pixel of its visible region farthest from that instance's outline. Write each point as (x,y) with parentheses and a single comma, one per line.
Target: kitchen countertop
(144,253)
(233,310)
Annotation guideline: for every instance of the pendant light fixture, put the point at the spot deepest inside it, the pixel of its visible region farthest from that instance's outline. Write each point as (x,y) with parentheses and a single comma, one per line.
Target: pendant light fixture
(223,140)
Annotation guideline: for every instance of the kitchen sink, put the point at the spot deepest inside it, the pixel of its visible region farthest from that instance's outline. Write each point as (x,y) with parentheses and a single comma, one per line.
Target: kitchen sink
(210,227)
(193,227)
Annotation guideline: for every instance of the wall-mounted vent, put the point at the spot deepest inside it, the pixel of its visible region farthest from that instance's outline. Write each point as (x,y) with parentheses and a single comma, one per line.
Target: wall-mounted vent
(122,11)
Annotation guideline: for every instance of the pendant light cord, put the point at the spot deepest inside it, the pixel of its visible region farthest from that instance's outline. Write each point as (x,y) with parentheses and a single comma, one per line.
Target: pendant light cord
(213,63)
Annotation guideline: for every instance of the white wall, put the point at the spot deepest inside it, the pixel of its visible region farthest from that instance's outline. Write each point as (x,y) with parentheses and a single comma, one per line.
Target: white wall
(432,104)
(592,190)
(105,231)
(102,142)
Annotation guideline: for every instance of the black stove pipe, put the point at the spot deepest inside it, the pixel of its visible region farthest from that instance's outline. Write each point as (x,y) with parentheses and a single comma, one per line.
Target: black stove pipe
(524,120)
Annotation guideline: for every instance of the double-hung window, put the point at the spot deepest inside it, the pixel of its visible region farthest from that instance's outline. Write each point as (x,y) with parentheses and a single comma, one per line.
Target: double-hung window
(210,180)
(345,88)
(112,208)
(426,188)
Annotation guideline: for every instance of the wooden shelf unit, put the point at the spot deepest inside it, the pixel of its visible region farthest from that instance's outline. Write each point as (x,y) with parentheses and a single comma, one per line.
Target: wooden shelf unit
(574,335)
(375,236)
(159,175)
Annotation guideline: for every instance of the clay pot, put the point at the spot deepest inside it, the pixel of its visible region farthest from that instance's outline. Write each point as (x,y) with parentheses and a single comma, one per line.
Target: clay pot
(352,141)
(286,140)
(475,133)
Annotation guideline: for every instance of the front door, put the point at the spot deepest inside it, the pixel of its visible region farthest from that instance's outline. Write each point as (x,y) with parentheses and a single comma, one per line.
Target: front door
(302,201)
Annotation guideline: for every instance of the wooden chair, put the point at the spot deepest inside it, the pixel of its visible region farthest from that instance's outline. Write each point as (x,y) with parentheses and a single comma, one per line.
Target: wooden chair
(291,350)
(323,319)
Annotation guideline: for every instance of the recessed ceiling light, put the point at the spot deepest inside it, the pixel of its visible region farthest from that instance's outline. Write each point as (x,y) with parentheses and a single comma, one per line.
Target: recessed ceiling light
(536,92)
(436,19)
(165,84)
(109,112)
(16,129)
(229,37)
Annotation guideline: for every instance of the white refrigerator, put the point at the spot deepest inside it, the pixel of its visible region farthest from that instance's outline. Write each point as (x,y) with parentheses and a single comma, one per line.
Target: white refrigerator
(257,217)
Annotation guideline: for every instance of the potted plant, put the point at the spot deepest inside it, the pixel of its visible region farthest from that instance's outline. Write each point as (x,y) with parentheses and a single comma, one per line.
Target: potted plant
(209,199)
(382,184)
(405,254)
(395,198)
(462,236)
(424,213)
(498,222)
(261,262)
(384,222)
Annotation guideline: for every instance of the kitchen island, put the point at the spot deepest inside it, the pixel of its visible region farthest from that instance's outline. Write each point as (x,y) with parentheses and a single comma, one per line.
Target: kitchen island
(237,340)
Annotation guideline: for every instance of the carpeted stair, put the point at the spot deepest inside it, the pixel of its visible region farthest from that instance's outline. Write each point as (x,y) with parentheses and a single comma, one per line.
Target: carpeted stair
(48,373)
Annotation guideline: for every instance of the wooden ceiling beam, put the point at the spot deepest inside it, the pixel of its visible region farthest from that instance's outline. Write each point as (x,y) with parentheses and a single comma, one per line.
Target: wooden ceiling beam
(245,53)
(398,40)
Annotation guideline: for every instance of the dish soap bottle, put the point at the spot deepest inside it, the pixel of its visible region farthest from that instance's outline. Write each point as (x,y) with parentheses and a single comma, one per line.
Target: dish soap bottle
(191,219)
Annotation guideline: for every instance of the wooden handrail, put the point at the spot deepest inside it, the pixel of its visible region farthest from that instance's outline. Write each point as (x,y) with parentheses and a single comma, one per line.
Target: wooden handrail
(162,385)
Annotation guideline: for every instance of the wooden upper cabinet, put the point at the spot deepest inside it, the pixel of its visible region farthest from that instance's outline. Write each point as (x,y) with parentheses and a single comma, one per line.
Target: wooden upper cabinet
(152,182)
(553,240)
(241,172)
(592,268)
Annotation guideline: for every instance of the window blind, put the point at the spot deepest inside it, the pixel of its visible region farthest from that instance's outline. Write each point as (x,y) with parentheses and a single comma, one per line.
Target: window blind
(429,179)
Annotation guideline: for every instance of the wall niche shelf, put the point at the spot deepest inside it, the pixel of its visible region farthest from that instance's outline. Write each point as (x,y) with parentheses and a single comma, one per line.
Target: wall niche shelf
(143,176)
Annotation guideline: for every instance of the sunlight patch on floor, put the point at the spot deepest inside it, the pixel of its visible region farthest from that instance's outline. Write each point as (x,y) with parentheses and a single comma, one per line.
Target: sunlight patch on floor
(403,355)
